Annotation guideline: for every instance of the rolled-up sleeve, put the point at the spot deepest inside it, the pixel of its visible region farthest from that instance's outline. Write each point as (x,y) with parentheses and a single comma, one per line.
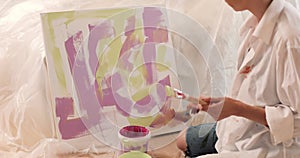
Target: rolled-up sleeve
(281,118)
(281,123)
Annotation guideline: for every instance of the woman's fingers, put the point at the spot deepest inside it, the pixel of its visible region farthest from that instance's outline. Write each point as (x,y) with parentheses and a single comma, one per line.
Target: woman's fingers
(204,104)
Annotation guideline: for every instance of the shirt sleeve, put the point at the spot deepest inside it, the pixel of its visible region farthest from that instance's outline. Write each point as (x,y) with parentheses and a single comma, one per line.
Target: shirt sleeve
(282,118)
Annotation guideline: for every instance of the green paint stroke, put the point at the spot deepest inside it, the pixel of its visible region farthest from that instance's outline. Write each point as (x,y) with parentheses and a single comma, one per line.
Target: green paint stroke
(54,51)
(58,65)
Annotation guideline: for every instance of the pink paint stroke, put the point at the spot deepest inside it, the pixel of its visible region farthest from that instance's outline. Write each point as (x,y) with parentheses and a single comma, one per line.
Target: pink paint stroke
(101,31)
(163,94)
(152,18)
(71,52)
(69,128)
(86,92)
(149,54)
(130,42)
(145,105)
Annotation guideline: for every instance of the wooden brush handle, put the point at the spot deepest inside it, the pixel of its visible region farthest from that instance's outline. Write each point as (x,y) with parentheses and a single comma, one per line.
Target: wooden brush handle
(196,100)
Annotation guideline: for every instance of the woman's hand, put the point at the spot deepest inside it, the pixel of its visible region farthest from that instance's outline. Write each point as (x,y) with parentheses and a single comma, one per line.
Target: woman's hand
(220,108)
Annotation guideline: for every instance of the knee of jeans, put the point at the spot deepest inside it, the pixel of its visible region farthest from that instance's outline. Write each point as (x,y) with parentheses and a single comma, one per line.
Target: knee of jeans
(181,141)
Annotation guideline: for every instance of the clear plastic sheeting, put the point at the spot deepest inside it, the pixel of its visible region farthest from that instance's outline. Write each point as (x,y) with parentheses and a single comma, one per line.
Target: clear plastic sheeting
(26,120)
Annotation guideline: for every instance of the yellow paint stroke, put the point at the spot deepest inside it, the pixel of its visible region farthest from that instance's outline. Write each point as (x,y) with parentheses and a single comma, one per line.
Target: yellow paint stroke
(140,94)
(58,65)
(143,71)
(110,58)
(102,64)
(169,91)
(54,51)
(108,61)
(119,21)
(141,121)
(139,31)
(136,81)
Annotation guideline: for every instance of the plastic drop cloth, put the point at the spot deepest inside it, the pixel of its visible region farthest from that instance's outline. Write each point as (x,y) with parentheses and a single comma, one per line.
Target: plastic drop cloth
(26,122)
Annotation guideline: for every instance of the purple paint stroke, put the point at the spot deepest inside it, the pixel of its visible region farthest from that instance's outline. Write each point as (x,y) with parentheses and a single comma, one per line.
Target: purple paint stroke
(124,63)
(115,81)
(129,43)
(154,27)
(64,107)
(76,127)
(124,105)
(69,128)
(144,101)
(86,92)
(152,17)
(161,92)
(70,48)
(104,30)
(91,27)
(161,88)
(145,105)
(165,81)
(149,54)
(107,98)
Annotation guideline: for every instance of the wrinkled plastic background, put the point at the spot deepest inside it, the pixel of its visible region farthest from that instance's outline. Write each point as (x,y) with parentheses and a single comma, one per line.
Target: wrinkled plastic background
(26,123)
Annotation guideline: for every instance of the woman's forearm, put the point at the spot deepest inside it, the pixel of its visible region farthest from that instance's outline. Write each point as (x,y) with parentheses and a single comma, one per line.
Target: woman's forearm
(254,113)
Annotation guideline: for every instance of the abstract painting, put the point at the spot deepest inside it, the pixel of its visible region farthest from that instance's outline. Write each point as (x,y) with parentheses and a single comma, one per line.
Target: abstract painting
(118,59)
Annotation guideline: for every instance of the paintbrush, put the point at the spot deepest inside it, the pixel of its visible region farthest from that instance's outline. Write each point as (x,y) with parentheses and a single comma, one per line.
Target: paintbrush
(176,93)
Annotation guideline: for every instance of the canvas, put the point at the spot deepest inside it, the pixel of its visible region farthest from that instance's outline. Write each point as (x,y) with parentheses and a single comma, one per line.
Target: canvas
(108,69)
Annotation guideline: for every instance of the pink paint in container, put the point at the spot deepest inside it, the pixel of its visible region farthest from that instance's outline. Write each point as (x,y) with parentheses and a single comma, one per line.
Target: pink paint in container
(134,138)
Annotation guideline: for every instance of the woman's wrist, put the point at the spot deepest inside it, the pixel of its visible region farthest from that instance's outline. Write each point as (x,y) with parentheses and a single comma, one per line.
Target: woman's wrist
(253,113)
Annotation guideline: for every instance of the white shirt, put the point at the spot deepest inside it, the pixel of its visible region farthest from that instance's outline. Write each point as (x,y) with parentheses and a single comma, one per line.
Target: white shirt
(268,76)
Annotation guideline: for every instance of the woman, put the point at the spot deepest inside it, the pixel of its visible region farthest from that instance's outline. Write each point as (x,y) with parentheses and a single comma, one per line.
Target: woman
(261,118)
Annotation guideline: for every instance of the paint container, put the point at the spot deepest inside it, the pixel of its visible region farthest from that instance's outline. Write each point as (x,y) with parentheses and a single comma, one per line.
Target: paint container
(134,154)
(134,138)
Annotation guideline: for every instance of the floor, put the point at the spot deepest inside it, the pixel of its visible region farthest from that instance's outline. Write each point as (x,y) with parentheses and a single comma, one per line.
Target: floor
(168,151)
(163,146)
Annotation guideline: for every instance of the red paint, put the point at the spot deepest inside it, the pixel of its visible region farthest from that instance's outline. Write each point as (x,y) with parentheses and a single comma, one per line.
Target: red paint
(180,94)
(246,69)
(134,131)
